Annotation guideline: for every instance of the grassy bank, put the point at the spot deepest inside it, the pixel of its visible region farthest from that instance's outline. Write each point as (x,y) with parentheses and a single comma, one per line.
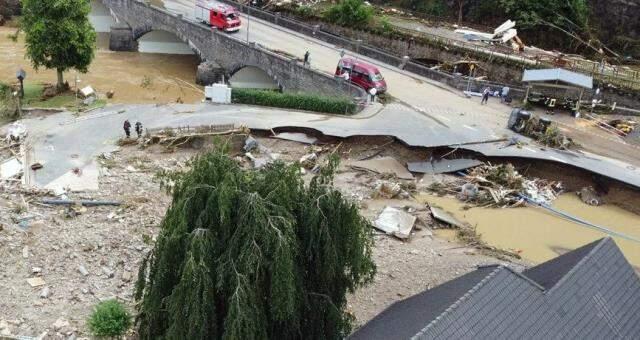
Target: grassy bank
(33,97)
(295,101)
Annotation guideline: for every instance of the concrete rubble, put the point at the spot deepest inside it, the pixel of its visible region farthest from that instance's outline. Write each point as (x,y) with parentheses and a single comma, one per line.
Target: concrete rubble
(77,252)
(445,217)
(395,222)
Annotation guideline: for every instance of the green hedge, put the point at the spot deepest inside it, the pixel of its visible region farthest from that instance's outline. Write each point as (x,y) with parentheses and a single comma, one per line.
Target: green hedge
(293,101)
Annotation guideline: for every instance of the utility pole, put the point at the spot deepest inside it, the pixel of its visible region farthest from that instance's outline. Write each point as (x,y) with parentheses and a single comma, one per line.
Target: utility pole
(248,20)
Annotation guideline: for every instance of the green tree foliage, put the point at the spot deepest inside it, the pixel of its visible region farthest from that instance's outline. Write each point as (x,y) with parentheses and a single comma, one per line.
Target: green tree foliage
(350,13)
(58,34)
(109,319)
(253,254)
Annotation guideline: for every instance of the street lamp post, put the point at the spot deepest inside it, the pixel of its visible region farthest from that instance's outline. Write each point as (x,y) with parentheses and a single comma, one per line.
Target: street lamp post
(21,75)
(248,20)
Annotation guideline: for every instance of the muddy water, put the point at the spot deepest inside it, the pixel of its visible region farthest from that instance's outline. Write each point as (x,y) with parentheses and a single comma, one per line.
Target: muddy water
(537,234)
(170,76)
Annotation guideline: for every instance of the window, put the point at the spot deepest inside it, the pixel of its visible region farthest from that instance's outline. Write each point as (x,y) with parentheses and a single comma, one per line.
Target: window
(375,76)
(231,16)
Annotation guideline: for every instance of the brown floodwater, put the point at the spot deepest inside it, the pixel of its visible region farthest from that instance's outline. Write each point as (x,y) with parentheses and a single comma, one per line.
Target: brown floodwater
(135,77)
(539,235)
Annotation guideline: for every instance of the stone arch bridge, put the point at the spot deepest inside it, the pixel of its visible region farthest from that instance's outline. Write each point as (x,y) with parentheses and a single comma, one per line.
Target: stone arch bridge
(136,18)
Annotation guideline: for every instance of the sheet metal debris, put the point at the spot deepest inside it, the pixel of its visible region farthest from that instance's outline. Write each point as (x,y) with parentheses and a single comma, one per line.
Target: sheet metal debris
(384,165)
(443,166)
(395,222)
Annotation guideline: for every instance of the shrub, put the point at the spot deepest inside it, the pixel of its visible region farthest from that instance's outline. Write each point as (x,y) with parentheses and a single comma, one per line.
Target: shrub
(293,101)
(305,11)
(386,25)
(110,318)
(350,13)
(8,104)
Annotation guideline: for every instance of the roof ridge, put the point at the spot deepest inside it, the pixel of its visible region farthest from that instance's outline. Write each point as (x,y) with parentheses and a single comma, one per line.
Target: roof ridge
(524,277)
(461,299)
(580,263)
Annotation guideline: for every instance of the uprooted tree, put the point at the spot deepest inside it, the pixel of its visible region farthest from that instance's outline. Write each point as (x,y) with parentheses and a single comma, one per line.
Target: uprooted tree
(59,35)
(253,254)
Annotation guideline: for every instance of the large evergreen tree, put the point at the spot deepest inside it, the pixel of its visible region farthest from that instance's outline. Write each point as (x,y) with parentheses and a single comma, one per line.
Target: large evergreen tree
(59,35)
(253,254)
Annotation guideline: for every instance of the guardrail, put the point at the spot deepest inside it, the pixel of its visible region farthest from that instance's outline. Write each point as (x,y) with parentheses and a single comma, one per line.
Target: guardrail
(623,78)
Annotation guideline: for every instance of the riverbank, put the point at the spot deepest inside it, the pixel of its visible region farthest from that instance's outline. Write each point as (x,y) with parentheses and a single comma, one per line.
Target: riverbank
(133,77)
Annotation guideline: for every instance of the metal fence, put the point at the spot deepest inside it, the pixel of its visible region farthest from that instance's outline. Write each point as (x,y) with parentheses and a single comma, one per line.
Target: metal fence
(628,79)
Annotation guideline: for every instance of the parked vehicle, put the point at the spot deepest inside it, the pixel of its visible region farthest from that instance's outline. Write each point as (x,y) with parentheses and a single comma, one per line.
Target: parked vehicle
(215,14)
(362,74)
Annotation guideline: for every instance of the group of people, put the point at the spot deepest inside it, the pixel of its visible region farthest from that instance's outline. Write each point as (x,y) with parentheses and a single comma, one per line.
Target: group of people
(127,128)
(502,93)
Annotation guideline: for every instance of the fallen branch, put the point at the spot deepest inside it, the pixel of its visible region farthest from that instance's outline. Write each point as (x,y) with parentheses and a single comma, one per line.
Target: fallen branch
(85,203)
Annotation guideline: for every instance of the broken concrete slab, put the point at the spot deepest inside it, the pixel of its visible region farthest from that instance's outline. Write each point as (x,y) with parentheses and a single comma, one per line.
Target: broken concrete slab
(36,281)
(10,168)
(76,180)
(445,217)
(443,166)
(297,137)
(609,167)
(383,165)
(395,222)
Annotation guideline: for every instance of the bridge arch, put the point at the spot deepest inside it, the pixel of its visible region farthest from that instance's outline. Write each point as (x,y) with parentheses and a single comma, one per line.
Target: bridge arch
(161,41)
(254,77)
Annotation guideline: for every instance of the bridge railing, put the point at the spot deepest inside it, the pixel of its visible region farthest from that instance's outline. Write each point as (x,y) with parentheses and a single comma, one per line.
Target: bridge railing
(628,79)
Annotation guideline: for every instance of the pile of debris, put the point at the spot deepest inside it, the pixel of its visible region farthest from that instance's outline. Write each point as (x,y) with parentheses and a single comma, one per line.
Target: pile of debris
(548,135)
(186,136)
(542,130)
(500,186)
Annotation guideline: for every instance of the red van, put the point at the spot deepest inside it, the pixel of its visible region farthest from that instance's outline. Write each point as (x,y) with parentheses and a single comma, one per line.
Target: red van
(215,14)
(362,74)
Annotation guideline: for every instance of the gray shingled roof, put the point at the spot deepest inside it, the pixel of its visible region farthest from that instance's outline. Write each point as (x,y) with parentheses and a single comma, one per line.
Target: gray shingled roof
(589,293)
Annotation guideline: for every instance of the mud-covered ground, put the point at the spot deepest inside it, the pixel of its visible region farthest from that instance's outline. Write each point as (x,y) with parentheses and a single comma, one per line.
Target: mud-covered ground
(86,255)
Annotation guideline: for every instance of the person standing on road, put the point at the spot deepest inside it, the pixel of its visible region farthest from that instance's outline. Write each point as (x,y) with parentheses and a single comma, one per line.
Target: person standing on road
(504,94)
(139,129)
(127,128)
(306,59)
(485,95)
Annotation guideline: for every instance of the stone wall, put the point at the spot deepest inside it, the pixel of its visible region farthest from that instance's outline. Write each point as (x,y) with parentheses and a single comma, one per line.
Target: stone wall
(226,51)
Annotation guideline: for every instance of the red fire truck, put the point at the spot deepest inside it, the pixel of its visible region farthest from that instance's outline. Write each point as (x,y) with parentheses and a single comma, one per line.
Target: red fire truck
(215,14)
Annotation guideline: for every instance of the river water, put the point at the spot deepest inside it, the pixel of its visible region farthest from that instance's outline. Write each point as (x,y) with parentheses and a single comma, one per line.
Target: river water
(539,235)
(163,71)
